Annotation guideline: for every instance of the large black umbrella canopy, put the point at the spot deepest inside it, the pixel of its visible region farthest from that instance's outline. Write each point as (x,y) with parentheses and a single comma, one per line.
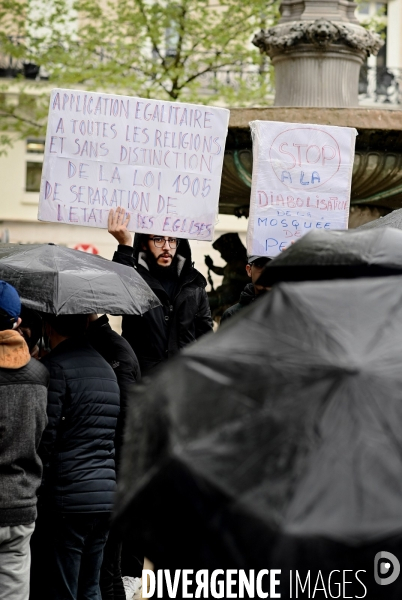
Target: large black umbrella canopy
(58,280)
(276,442)
(393,219)
(344,254)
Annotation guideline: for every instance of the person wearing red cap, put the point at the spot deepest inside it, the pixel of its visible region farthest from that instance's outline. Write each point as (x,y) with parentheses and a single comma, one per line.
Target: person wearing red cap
(23,400)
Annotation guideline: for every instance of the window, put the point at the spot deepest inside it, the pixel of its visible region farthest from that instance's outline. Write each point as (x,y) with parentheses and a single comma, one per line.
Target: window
(35,146)
(382,8)
(33,176)
(363,8)
(34,162)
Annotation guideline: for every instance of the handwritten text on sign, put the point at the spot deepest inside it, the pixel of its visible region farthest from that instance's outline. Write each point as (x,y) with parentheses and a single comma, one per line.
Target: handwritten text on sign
(160,161)
(301,181)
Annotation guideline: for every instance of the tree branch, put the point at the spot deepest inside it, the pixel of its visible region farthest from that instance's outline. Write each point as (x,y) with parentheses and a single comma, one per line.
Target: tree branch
(209,69)
(18,118)
(151,37)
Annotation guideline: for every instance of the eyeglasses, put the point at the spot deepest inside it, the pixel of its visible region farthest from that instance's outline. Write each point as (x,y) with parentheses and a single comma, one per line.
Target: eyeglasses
(161,241)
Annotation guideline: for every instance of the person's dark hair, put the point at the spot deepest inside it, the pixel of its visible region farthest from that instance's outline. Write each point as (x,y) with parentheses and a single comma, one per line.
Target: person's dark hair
(6,322)
(67,325)
(143,240)
(31,320)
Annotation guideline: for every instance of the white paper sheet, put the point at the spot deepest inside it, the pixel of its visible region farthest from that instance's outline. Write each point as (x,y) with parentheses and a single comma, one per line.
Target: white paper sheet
(301,181)
(161,161)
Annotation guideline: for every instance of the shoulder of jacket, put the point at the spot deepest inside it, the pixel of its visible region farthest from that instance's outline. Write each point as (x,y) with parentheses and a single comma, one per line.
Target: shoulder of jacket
(37,368)
(194,276)
(49,360)
(34,372)
(75,358)
(229,312)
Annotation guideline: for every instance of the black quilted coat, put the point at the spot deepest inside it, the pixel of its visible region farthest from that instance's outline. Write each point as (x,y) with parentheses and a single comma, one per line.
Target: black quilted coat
(77,446)
(162,332)
(120,356)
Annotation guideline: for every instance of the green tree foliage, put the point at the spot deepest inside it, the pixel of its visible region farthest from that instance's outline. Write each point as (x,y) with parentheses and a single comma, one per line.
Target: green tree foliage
(376,22)
(187,50)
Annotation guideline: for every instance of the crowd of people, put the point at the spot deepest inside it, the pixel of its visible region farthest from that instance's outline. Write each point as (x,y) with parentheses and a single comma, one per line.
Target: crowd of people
(62,415)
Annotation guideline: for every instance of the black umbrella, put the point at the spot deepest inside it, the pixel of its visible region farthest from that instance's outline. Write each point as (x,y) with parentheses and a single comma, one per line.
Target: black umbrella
(337,255)
(59,280)
(393,219)
(276,443)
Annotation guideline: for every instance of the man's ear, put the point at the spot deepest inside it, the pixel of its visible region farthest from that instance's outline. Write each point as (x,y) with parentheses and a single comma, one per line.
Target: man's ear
(17,323)
(248,269)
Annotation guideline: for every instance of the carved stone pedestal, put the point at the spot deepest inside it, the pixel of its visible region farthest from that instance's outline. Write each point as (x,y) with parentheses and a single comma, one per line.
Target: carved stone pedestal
(317,62)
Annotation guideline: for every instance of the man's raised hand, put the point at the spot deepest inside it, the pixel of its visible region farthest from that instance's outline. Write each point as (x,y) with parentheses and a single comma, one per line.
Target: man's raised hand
(117,226)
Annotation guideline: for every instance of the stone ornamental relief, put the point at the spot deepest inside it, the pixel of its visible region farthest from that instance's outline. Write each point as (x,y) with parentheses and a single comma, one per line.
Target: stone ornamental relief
(320,33)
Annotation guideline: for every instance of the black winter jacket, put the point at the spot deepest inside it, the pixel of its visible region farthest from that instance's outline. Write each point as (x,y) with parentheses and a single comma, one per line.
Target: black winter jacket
(23,398)
(162,332)
(77,447)
(246,297)
(120,356)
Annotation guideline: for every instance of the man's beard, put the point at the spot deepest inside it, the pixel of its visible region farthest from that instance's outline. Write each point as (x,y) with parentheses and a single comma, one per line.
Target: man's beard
(161,271)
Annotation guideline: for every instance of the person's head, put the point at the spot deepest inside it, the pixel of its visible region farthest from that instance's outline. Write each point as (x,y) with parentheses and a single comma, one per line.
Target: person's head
(31,327)
(10,307)
(62,327)
(161,248)
(254,268)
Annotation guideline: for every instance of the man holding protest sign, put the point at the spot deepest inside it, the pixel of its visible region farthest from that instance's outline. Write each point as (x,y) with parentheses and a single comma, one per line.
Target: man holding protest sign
(165,264)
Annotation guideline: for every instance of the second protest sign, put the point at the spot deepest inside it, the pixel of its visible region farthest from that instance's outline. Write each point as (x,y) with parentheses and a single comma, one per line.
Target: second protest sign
(301,181)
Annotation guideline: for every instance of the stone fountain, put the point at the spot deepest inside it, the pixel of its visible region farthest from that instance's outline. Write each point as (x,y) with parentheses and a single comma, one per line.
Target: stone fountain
(317,50)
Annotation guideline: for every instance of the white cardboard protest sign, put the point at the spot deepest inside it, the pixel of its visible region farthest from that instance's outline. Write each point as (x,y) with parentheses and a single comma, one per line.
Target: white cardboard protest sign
(161,161)
(301,181)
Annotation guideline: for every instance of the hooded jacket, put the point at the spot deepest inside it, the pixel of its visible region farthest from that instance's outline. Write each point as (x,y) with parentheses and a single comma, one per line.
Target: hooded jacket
(246,297)
(160,333)
(23,399)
